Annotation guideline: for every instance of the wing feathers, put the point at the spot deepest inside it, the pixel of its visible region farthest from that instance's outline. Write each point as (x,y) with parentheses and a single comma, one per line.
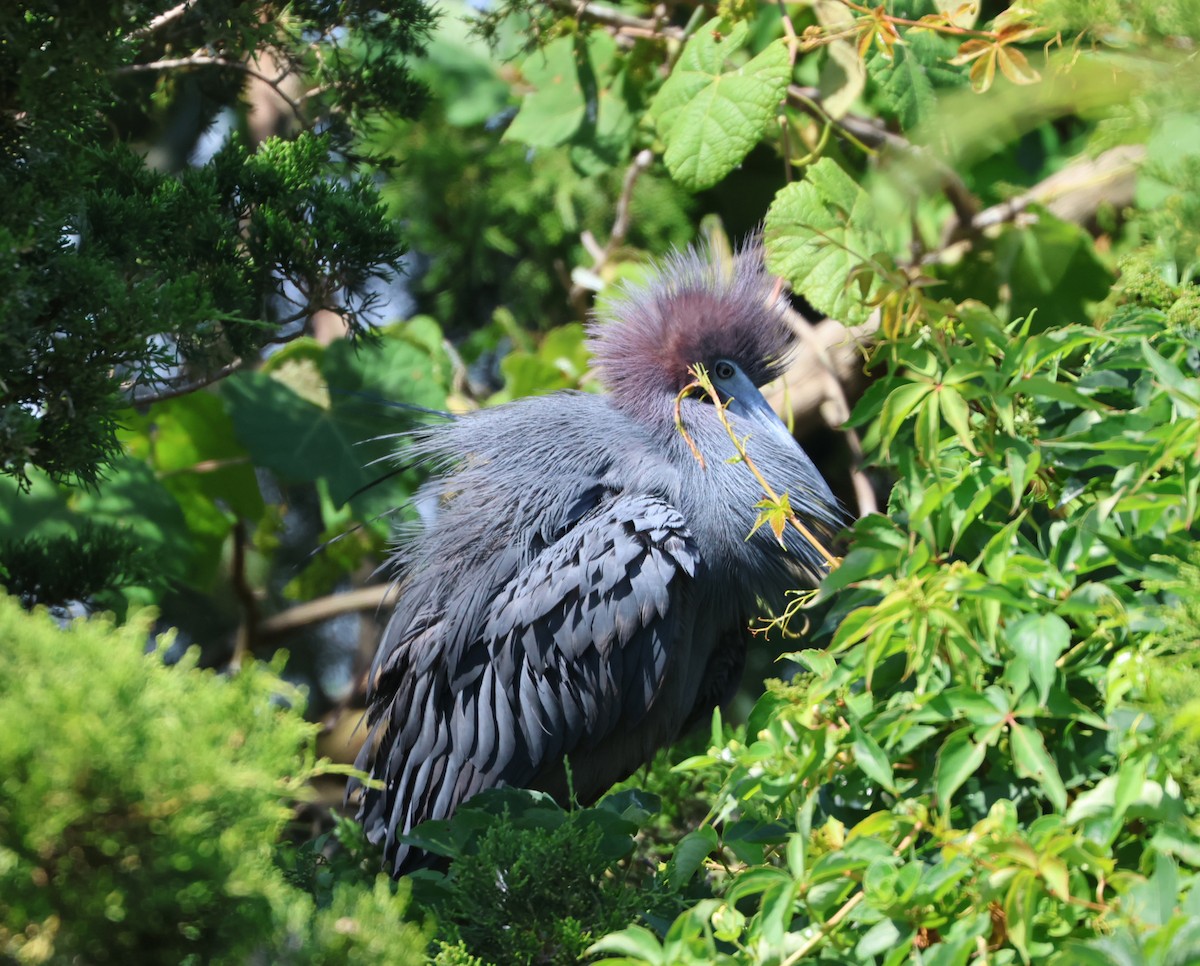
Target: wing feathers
(573,646)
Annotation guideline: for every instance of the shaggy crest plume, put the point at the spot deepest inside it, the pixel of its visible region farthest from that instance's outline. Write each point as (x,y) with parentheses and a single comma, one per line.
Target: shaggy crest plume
(695,309)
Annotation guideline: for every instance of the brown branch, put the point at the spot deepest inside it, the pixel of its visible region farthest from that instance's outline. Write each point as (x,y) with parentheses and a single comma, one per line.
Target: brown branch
(620,226)
(1108,177)
(160,21)
(618,20)
(180,390)
(375,597)
(247,632)
(217,60)
(620,229)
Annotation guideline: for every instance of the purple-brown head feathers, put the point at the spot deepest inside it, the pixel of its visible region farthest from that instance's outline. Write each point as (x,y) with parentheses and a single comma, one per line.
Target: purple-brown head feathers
(694,310)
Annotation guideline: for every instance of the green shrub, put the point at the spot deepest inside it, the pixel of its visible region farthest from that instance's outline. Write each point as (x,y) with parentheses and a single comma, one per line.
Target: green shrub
(528,882)
(141,806)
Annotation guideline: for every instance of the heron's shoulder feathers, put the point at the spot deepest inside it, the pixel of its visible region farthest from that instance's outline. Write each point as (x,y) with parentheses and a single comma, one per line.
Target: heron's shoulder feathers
(572,646)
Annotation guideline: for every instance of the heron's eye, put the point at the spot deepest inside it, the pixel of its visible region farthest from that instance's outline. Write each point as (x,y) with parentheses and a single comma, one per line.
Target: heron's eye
(723,370)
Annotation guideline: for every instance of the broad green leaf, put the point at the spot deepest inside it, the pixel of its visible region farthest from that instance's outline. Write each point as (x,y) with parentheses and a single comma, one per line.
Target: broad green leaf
(821,230)
(1039,640)
(710,116)
(192,437)
(727,923)
(957,415)
(1058,391)
(872,760)
(897,408)
(554,110)
(689,855)
(606,135)
(1054,871)
(958,759)
(132,496)
(299,441)
(634,944)
(1033,761)
(905,85)
(1048,267)
(1020,907)
(1185,392)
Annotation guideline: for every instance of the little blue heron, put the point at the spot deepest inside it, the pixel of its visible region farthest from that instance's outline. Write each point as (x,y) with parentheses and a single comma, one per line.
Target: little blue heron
(582,585)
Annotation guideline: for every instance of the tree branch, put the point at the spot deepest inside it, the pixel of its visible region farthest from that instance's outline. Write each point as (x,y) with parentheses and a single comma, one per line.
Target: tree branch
(873,134)
(375,597)
(181,389)
(620,229)
(217,60)
(618,20)
(157,23)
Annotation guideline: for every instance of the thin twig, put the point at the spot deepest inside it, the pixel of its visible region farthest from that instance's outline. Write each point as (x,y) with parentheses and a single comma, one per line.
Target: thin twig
(826,927)
(181,390)
(621,220)
(620,226)
(687,437)
(833,921)
(1085,175)
(217,60)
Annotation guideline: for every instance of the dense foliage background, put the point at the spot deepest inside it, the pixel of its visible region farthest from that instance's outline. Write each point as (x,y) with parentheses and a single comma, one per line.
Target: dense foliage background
(245,244)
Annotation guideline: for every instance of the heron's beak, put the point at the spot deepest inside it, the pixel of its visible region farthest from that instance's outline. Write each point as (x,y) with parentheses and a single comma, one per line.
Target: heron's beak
(749,404)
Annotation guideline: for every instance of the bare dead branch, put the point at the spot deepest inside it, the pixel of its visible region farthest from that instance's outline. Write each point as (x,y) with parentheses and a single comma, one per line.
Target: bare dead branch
(620,229)
(618,20)
(373,598)
(157,23)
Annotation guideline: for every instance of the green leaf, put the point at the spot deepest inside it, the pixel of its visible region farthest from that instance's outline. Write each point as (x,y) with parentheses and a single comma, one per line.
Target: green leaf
(606,136)
(689,855)
(1049,267)
(958,759)
(958,415)
(905,85)
(1020,907)
(1185,392)
(1033,761)
(897,407)
(871,759)
(819,232)
(879,939)
(1058,391)
(1039,640)
(709,117)
(634,944)
(554,110)
(843,77)
(285,433)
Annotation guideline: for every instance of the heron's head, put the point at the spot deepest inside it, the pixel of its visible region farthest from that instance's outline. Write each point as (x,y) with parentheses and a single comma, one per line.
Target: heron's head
(726,315)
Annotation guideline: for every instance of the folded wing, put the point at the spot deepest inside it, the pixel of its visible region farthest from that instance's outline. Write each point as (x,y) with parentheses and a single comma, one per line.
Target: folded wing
(573,646)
